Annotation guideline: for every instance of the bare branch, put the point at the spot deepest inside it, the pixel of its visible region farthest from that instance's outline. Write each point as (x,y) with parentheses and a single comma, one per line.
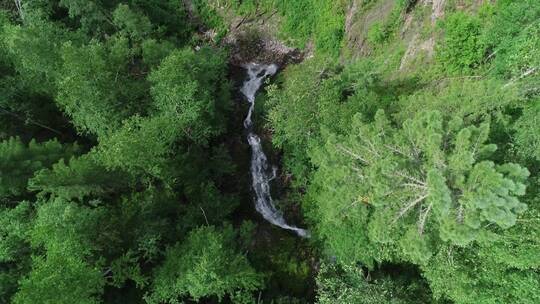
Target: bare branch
(415,150)
(358,172)
(18,4)
(107,273)
(423,217)
(204,214)
(371,147)
(350,153)
(423,187)
(525,74)
(388,193)
(241,22)
(401,174)
(29,120)
(396,150)
(441,80)
(491,55)
(270,16)
(409,206)
(343,209)
(460,214)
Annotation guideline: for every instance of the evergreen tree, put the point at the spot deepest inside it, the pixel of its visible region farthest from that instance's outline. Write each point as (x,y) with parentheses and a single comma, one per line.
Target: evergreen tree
(81,178)
(19,161)
(15,227)
(430,179)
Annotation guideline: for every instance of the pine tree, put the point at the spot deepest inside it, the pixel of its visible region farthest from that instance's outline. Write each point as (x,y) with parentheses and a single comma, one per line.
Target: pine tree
(19,161)
(428,182)
(15,228)
(80,178)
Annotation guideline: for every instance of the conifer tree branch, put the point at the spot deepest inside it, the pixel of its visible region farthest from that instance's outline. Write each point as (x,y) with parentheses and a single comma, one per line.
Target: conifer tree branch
(409,205)
(422,220)
(354,155)
(396,150)
(417,181)
(31,121)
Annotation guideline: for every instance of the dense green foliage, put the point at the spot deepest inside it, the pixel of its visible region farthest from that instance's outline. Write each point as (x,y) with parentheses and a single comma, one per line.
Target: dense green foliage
(123,171)
(205,266)
(463,48)
(103,220)
(319,22)
(437,171)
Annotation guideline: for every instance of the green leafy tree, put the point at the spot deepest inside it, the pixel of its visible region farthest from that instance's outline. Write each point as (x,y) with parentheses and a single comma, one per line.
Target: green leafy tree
(141,145)
(464,276)
(154,51)
(60,278)
(314,95)
(131,24)
(205,265)
(501,269)
(171,19)
(527,130)
(63,274)
(15,226)
(350,285)
(26,109)
(93,17)
(34,50)
(187,87)
(67,228)
(90,89)
(187,107)
(473,100)
(511,33)
(463,48)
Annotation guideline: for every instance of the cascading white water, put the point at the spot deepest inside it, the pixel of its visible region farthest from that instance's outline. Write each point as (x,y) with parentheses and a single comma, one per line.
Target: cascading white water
(260,174)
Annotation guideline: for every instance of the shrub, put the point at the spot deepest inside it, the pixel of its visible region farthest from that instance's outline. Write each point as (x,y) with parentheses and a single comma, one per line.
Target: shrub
(377,34)
(462,48)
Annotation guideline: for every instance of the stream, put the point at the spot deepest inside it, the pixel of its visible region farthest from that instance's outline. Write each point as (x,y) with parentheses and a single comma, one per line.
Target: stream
(261,175)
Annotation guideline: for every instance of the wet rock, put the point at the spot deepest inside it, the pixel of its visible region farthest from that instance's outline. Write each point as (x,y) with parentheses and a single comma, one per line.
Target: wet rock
(253,46)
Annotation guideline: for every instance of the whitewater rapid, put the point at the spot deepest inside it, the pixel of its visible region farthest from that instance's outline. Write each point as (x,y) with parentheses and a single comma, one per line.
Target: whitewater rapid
(260,173)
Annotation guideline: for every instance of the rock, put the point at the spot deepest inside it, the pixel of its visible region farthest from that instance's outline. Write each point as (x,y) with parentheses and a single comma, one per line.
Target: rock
(253,46)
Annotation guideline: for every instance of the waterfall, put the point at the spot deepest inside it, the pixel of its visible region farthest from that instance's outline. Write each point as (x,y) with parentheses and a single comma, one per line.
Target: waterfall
(260,173)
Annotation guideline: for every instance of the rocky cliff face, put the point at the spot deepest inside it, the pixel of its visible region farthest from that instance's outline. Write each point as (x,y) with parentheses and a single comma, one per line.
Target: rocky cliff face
(256,46)
(415,30)
(416,25)
(412,25)
(254,38)
(250,38)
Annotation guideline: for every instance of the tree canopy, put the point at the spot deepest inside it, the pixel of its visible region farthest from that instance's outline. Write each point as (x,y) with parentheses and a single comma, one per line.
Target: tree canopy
(404,135)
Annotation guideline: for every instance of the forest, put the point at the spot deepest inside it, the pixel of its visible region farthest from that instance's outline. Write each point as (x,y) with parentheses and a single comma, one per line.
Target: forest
(402,135)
